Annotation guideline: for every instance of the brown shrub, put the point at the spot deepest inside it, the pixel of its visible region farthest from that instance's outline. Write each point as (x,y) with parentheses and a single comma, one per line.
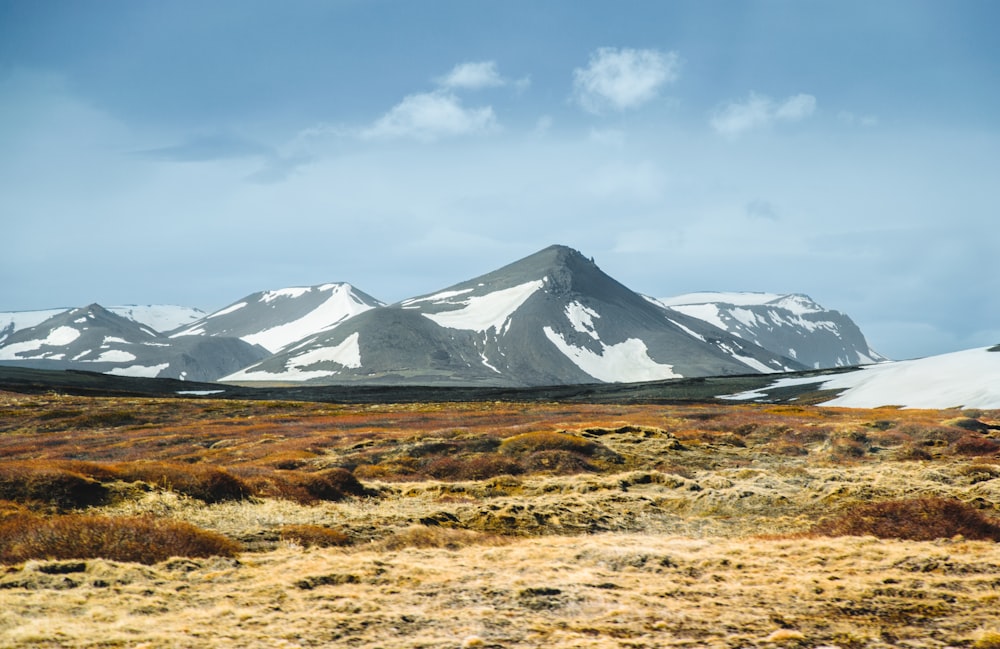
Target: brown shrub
(141,539)
(204,482)
(332,484)
(314,536)
(911,452)
(474,467)
(49,483)
(304,488)
(975,445)
(918,519)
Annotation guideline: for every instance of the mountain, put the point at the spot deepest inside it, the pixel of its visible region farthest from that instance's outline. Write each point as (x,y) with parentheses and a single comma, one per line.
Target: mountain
(95,339)
(551,318)
(790,325)
(159,317)
(965,379)
(275,319)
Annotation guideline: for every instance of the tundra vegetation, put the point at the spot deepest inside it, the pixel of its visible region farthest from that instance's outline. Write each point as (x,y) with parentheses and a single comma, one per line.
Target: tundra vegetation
(211,523)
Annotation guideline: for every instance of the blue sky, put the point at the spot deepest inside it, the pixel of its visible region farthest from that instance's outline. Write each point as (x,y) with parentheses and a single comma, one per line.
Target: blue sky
(194,152)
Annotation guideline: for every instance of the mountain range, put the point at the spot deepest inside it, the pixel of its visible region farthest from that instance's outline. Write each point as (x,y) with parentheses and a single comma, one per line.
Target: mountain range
(551,318)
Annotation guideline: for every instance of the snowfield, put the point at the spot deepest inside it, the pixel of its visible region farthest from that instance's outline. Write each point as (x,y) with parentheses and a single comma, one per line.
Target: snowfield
(965,379)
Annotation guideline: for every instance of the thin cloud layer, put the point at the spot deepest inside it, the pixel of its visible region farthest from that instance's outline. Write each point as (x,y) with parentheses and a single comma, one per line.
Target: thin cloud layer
(760,111)
(473,76)
(621,79)
(430,116)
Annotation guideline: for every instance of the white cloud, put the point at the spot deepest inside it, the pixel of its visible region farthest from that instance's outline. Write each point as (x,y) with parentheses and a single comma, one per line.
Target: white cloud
(760,111)
(796,108)
(430,116)
(622,79)
(482,74)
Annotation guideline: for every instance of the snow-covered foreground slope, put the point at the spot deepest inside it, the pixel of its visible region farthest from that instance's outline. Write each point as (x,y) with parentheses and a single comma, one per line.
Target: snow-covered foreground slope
(965,379)
(791,325)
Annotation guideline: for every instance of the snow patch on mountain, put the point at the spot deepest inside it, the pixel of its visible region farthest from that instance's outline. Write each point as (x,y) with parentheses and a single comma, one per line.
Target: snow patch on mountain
(341,305)
(623,362)
(706,312)
(582,318)
(229,309)
(441,297)
(159,317)
(58,336)
(298,291)
(113,356)
(485,312)
(142,371)
(346,354)
(713,297)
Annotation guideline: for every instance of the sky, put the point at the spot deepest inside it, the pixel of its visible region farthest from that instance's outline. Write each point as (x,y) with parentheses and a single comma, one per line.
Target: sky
(192,153)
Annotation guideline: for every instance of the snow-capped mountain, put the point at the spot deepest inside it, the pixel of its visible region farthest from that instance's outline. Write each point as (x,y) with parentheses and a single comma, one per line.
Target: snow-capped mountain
(789,325)
(276,319)
(95,339)
(159,317)
(965,379)
(551,318)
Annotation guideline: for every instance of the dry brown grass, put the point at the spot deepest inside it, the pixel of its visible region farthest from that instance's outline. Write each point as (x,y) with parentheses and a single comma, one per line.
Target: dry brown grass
(596,591)
(504,524)
(140,539)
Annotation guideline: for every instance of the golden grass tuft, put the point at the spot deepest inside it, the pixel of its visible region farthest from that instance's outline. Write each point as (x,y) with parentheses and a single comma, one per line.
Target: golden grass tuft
(426,536)
(139,539)
(548,441)
(986,639)
(786,636)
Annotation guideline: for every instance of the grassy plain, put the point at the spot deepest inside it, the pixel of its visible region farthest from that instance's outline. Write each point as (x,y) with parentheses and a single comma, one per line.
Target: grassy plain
(494,524)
